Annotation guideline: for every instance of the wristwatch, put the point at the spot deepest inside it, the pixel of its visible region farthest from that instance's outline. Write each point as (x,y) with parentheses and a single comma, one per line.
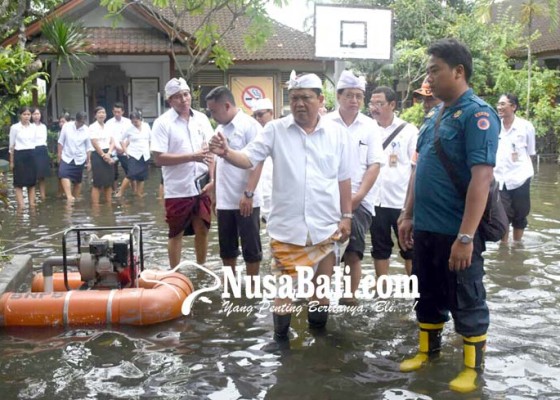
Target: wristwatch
(248,194)
(347,215)
(463,238)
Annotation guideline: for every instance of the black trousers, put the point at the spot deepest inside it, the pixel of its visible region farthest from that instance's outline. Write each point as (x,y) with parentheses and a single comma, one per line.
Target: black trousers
(443,291)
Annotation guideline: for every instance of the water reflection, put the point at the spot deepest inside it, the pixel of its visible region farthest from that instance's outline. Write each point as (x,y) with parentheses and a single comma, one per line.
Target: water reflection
(212,355)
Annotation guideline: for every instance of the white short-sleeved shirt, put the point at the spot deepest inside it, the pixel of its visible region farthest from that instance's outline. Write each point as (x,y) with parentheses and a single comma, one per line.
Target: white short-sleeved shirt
(306,174)
(138,141)
(75,143)
(117,128)
(367,149)
(40,134)
(390,188)
(512,171)
(22,137)
(172,134)
(101,134)
(231,181)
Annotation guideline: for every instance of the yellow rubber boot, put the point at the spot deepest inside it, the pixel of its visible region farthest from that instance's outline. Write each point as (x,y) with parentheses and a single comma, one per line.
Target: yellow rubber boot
(429,340)
(473,354)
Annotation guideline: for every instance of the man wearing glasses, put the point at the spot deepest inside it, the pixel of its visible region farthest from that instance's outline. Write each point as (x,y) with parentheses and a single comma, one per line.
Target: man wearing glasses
(311,194)
(389,191)
(365,138)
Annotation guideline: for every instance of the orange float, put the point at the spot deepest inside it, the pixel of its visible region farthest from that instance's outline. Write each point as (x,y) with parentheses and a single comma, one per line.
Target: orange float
(158,298)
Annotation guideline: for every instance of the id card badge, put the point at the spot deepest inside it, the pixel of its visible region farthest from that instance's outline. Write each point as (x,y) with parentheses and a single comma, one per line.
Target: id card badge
(515,156)
(393,160)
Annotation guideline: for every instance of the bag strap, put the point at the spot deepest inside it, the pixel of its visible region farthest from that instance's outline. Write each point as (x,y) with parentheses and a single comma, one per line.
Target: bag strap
(445,160)
(393,135)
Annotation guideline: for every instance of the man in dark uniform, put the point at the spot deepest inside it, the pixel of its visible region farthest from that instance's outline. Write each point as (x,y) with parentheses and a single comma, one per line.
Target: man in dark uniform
(447,247)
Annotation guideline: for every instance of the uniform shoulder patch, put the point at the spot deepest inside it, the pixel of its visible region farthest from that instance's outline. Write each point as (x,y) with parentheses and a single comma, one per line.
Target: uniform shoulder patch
(483,124)
(482,114)
(457,114)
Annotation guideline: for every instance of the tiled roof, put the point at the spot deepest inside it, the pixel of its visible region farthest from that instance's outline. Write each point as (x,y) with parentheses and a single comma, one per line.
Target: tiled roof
(119,41)
(549,41)
(285,43)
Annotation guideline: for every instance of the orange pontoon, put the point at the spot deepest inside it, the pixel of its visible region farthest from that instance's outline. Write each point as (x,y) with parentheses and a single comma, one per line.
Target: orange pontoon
(151,303)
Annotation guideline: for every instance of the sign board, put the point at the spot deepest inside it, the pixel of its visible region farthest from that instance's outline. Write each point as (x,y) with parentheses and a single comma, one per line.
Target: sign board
(145,96)
(347,32)
(70,96)
(247,89)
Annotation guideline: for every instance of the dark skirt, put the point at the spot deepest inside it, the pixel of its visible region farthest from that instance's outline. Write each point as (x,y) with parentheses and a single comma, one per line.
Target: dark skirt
(137,169)
(103,173)
(25,170)
(42,161)
(71,171)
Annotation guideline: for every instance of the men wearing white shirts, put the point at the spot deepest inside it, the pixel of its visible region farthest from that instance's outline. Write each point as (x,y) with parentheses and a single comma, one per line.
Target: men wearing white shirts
(368,157)
(311,193)
(263,112)
(514,167)
(179,144)
(237,198)
(74,147)
(116,126)
(399,143)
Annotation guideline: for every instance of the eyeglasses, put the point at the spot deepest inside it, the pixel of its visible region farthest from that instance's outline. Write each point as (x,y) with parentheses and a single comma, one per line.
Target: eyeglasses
(503,104)
(378,104)
(351,96)
(304,98)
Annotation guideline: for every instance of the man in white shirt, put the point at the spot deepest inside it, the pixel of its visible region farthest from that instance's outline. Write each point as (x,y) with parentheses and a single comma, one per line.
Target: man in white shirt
(237,198)
(514,167)
(179,145)
(368,157)
(399,144)
(116,126)
(311,192)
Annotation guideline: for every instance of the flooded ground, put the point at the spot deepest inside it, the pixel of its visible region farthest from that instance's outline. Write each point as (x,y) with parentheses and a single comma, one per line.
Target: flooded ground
(217,356)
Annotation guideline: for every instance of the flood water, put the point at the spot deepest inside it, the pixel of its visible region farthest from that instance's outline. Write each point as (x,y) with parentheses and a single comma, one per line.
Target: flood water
(217,356)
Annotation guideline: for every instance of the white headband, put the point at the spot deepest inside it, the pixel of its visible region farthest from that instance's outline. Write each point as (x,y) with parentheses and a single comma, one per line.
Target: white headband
(175,86)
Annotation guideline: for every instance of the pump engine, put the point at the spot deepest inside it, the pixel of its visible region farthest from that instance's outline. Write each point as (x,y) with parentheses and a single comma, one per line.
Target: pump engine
(109,261)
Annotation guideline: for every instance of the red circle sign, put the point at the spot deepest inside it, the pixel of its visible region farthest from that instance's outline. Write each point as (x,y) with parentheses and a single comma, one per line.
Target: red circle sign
(250,95)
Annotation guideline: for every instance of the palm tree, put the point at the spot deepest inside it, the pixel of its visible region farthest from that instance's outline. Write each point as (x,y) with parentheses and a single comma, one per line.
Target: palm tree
(66,41)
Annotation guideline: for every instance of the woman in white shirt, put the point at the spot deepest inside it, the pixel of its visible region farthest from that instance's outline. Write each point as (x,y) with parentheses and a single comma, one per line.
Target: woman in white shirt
(74,147)
(101,160)
(514,167)
(136,145)
(22,162)
(41,154)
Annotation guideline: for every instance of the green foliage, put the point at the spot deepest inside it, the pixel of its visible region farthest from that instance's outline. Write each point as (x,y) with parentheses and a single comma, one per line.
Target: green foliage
(413,115)
(66,40)
(17,79)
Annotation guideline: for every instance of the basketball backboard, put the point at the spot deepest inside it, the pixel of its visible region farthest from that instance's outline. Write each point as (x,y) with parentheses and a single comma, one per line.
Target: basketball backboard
(348,32)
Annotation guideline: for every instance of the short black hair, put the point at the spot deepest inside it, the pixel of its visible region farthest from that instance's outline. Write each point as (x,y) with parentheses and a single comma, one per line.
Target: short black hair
(118,104)
(81,116)
(135,115)
(453,53)
(97,109)
(513,99)
(389,93)
(24,109)
(221,94)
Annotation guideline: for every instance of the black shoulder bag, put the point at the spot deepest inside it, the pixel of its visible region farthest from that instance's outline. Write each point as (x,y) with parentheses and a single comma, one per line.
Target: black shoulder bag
(393,135)
(494,222)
